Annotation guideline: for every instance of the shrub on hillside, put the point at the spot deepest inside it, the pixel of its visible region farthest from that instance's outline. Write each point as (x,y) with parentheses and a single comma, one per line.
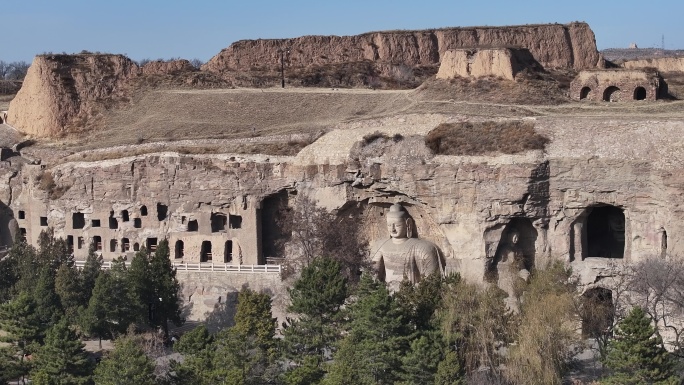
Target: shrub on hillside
(468,138)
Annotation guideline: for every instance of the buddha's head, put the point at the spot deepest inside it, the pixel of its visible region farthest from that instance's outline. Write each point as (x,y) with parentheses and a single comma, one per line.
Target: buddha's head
(399,222)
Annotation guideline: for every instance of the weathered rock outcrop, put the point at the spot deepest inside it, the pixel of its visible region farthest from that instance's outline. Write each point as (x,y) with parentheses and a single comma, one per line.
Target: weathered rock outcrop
(665,64)
(61,89)
(504,63)
(159,67)
(552,45)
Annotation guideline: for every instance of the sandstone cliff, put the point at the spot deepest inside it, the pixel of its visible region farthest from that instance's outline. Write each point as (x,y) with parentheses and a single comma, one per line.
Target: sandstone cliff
(665,64)
(59,90)
(553,45)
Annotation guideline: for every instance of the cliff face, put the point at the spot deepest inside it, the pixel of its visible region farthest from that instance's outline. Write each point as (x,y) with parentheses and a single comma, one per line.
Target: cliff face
(61,89)
(553,45)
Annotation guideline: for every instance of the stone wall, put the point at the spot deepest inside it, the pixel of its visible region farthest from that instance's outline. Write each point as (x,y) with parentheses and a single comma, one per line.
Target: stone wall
(615,85)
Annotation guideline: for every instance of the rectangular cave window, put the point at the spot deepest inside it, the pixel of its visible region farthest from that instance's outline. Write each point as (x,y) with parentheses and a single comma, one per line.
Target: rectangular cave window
(125,245)
(96,223)
(43,221)
(192,225)
(136,247)
(98,242)
(218,222)
(113,223)
(22,214)
(22,231)
(162,210)
(112,245)
(235,221)
(205,253)
(151,245)
(70,243)
(124,215)
(143,210)
(81,241)
(137,223)
(78,220)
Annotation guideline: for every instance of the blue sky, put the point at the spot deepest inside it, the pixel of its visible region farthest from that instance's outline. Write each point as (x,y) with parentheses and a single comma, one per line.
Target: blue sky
(201,28)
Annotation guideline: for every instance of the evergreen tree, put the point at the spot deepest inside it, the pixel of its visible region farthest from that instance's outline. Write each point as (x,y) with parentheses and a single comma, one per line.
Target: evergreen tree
(238,359)
(165,289)
(371,351)
(52,251)
(449,370)
(419,365)
(28,265)
(110,309)
(62,359)
(194,341)
(70,290)
(316,297)
(9,271)
(126,364)
(140,286)
(19,322)
(636,355)
(254,317)
(10,367)
(48,309)
(91,270)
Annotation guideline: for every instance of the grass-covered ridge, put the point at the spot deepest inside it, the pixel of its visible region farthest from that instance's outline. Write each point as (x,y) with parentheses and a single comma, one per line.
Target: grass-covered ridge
(469,138)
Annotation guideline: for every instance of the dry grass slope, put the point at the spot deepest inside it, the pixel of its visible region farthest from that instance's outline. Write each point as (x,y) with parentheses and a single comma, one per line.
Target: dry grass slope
(466,138)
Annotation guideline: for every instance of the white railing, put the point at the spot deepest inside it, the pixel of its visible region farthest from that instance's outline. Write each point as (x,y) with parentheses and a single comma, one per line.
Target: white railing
(206,266)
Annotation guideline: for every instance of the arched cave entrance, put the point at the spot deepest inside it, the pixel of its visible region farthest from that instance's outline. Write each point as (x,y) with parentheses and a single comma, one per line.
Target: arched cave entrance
(179,250)
(611,94)
(275,226)
(605,234)
(228,252)
(597,312)
(584,93)
(640,93)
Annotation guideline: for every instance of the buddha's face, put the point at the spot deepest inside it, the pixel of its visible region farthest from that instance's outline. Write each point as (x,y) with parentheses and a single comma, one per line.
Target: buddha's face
(397,227)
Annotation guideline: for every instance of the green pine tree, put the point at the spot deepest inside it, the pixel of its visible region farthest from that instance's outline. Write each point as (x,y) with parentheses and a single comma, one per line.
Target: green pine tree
(126,364)
(450,370)
(140,286)
(419,365)
(194,341)
(110,309)
(70,290)
(636,355)
(48,308)
(165,289)
(90,272)
(254,317)
(316,297)
(62,359)
(371,351)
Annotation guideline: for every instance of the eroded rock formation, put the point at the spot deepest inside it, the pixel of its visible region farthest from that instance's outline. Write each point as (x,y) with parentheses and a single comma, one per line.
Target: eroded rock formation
(553,45)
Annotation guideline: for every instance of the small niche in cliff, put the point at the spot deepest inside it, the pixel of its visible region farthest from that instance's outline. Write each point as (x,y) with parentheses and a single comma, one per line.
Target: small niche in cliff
(218,222)
(22,233)
(98,242)
(136,246)
(234,221)
(143,211)
(95,223)
(113,245)
(205,253)
(193,225)
(179,250)
(125,245)
(151,245)
(124,215)
(77,221)
(228,252)
(43,221)
(113,223)
(162,211)
(663,244)
(70,243)
(137,223)
(21,214)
